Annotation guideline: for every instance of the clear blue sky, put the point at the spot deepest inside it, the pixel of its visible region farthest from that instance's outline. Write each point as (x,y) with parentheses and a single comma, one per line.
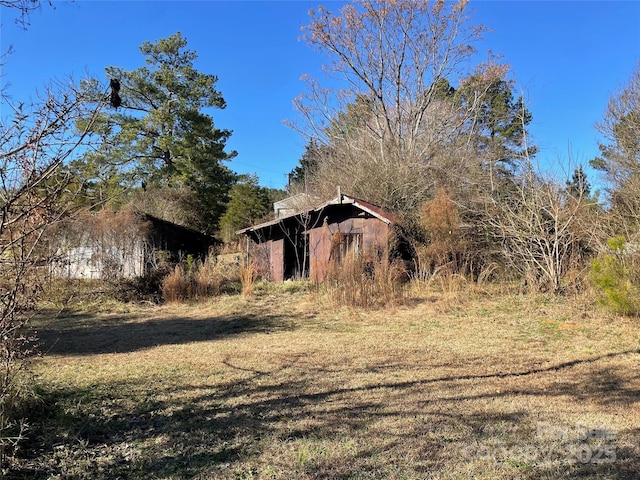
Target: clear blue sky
(567,59)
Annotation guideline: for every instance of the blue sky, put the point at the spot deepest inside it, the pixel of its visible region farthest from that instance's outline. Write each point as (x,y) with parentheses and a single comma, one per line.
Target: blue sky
(567,58)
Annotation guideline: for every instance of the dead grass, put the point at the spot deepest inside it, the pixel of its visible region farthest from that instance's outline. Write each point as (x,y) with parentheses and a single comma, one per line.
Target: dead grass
(248,278)
(201,280)
(452,384)
(370,281)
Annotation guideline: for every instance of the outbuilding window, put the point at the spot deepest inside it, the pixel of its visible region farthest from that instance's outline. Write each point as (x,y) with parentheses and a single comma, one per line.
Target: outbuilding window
(347,244)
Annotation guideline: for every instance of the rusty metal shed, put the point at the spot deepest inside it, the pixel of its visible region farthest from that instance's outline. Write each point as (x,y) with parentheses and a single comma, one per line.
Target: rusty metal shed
(302,244)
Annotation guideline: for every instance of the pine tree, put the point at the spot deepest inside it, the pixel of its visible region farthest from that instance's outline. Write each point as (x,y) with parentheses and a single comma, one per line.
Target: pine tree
(157,134)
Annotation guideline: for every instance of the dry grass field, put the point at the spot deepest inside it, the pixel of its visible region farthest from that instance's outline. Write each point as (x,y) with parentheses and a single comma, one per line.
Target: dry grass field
(451,385)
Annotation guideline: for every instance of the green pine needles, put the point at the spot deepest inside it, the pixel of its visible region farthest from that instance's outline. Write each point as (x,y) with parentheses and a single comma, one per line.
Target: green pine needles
(617,276)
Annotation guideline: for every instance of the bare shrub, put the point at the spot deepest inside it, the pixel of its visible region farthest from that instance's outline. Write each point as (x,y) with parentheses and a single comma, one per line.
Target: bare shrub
(36,193)
(147,288)
(538,226)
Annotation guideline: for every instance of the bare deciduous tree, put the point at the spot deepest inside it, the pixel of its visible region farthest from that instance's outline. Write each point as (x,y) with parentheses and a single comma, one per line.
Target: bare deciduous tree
(620,154)
(542,230)
(389,126)
(384,127)
(24,9)
(35,193)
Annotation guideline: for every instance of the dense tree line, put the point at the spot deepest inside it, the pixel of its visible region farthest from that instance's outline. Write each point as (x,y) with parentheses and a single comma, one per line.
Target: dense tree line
(416,132)
(414,128)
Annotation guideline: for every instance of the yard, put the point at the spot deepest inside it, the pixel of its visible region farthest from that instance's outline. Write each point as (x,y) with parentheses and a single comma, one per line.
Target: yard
(465,384)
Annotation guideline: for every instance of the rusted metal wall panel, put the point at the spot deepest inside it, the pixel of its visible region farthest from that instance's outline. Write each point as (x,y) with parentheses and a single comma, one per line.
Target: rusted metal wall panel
(375,235)
(319,253)
(260,254)
(374,240)
(277,260)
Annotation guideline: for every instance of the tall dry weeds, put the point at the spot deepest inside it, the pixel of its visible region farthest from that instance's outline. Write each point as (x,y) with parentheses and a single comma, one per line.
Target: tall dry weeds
(248,277)
(366,281)
(176,287)
(200,280)
(208,279)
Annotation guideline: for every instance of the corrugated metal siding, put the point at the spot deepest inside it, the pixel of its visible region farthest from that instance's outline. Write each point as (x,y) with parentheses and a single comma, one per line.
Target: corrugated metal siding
(101,262)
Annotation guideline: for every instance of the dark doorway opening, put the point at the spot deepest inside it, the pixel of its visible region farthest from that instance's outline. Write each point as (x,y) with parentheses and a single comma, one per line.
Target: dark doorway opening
(296,257)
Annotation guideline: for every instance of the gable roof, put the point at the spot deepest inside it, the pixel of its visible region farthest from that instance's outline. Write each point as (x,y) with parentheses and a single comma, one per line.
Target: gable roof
(341,199)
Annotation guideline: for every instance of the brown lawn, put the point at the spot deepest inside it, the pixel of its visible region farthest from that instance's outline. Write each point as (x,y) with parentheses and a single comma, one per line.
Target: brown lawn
(283,386)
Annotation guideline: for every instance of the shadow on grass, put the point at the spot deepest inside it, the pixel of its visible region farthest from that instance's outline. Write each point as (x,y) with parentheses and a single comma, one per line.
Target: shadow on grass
(603,385)
(82,335)
(147,430)
(620,463)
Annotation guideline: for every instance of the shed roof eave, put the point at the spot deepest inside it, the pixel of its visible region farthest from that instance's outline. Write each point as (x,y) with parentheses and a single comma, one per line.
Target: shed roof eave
(260,226)
(341,200)
(365,208)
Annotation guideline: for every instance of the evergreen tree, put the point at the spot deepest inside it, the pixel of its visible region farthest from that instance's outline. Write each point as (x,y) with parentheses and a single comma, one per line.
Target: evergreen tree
(158,135)
(306,168)
(579,186)
(497,120)
(248,203)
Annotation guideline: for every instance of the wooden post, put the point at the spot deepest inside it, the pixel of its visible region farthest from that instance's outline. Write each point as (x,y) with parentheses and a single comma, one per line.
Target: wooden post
(247,255)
